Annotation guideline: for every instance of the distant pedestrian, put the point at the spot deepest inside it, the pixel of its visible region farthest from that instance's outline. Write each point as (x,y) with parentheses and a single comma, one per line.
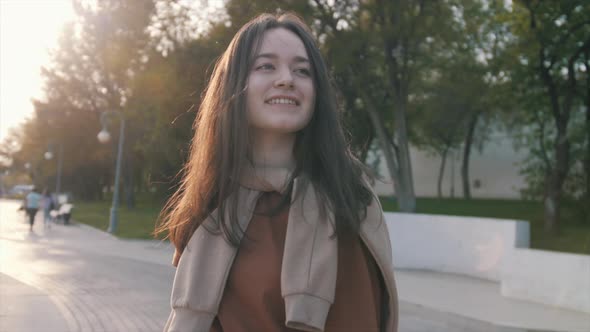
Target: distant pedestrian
(32,205)
(275,225)
(48,205)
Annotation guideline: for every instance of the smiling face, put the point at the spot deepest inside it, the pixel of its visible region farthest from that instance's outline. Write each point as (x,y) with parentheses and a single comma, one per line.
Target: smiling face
(280,94)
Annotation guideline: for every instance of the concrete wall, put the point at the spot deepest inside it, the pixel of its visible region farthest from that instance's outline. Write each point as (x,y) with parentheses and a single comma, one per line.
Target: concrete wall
(464,245)
(492,249)
(547,277)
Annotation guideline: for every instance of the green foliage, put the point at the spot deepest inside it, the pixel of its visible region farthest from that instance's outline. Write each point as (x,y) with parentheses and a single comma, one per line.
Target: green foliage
(549,47)
(441,65)
(91,72)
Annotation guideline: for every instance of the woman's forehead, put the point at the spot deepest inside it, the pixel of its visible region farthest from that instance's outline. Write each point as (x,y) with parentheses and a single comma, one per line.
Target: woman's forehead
(280,42)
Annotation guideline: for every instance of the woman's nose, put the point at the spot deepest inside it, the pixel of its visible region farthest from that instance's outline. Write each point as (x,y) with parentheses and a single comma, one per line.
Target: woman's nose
(285,79)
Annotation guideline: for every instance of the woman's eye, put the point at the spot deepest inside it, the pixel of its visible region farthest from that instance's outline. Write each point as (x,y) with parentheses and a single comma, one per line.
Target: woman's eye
(303,71)
(265,66)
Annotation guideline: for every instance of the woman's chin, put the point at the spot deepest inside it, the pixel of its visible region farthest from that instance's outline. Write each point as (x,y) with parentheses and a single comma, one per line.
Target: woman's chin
(283,128)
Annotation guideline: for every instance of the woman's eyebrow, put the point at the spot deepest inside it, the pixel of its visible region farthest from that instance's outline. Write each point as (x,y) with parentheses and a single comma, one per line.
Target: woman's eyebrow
(298,58)
(274,56)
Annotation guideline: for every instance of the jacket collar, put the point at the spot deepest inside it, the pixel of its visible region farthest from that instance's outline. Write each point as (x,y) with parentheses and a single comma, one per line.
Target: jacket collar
(266,178)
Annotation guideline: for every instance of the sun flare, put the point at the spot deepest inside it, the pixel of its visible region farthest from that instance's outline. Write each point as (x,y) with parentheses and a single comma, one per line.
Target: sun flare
(28,29)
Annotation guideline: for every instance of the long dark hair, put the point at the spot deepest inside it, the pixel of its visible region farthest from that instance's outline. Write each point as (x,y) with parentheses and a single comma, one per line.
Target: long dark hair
(221,144)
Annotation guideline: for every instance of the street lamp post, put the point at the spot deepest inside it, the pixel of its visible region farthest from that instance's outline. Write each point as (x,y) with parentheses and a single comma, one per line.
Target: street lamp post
(104,136)
(32,173)
(49,155)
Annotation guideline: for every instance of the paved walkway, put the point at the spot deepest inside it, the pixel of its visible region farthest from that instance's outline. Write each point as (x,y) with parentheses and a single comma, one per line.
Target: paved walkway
(76,278)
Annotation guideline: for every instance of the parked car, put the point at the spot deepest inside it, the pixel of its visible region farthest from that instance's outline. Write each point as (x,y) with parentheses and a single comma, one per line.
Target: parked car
(20,190)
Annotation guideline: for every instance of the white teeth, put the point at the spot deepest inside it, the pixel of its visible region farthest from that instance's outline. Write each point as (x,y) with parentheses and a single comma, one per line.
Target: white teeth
(282,101)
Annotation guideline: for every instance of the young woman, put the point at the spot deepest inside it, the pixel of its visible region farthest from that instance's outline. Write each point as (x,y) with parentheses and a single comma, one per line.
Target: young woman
(274,223)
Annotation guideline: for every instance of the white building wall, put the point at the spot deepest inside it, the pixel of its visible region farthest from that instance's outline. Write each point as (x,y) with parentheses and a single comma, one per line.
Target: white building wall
(495,167)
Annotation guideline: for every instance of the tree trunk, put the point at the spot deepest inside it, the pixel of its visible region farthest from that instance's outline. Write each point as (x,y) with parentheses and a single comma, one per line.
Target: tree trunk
(130,183)
(551,204)
(466,155)
(452,187)
(555,180)
(558,172)
(441,172)
(407,199)
(554,183)
(391,158)
(398,163)
(561,113)
(587,162)
(396,50)
(385,147)
(587,157)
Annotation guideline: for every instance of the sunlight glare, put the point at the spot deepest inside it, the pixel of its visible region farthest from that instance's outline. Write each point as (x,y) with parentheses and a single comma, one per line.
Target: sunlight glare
(28,30)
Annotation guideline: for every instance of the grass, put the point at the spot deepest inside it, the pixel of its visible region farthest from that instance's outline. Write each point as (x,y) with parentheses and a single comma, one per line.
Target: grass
(137,223)
(573,237)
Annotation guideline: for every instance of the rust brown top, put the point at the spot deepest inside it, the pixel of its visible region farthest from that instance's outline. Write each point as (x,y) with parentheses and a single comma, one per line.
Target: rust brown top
(252,297)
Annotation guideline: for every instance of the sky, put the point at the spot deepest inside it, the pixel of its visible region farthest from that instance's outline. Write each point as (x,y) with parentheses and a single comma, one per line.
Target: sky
(28,30)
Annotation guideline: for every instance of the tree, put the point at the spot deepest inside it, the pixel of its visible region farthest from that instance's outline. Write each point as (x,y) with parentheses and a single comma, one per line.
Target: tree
(482,43)
(388,44)
(441,119)
(586,96)
(551,40)
(91,69)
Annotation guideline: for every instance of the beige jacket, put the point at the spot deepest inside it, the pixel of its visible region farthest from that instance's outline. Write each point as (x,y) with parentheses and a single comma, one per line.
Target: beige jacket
(309,268)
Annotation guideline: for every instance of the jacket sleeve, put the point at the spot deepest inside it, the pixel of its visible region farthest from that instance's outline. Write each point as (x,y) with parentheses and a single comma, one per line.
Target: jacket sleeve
(199,282)
(202,272)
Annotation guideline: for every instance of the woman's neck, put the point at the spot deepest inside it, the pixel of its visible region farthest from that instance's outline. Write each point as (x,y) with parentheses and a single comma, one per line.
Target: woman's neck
(273,162)
(273,150)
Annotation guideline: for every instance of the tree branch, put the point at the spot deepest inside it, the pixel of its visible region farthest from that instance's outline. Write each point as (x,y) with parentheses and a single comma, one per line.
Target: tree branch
(325,15)
(571,30)
(584,48)
(572,82)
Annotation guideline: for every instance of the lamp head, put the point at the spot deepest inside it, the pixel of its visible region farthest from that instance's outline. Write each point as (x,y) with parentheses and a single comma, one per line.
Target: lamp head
(104,136)
(48,155)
